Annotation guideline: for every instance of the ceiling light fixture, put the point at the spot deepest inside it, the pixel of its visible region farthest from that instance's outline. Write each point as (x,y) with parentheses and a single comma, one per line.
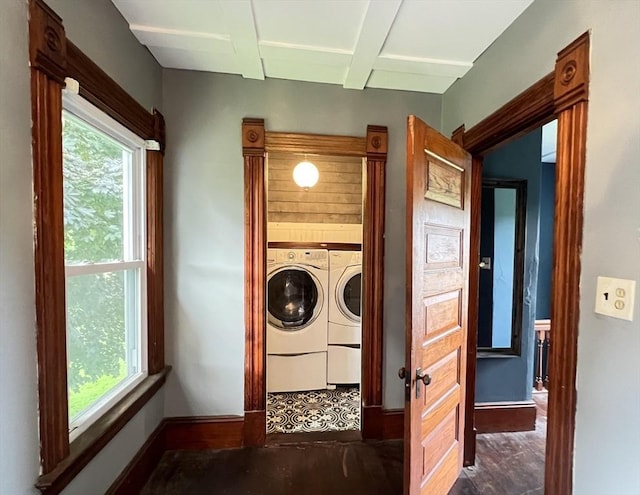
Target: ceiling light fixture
(306,174)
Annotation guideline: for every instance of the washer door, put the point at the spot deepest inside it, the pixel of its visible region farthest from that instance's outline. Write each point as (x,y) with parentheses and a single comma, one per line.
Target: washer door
(348,293)
(294,298)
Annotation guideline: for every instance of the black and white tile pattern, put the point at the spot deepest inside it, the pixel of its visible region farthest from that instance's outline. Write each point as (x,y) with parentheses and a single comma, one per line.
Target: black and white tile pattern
(317,410)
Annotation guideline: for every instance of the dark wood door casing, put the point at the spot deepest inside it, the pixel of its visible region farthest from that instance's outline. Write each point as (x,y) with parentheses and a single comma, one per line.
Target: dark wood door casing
(562,94)
(256,143)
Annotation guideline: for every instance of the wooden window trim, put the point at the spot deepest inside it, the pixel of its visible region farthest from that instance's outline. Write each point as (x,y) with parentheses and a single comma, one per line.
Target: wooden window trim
(52,59)
(562,94)
(256,142)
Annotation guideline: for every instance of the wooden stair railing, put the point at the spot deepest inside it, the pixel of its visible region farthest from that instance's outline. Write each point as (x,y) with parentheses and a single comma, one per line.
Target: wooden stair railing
(542,329)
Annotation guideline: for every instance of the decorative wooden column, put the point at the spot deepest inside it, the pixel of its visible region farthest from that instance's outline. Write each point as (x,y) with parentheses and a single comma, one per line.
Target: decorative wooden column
(373,281)
(571,93)
(255,226)
(47,55)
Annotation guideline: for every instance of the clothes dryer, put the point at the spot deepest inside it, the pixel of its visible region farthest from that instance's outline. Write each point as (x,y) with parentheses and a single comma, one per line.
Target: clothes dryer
(345,289)
(344,359)
(297,316)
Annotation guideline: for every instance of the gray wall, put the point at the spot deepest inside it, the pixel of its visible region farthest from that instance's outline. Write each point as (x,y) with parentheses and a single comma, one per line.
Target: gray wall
(18,416)
(608,382)
(103,33)
(100,31)
(204,219)
(545,250)
(511,378)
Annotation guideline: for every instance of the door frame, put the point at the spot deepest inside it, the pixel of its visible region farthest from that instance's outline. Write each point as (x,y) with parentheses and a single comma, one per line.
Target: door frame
(256,142)
(562,94)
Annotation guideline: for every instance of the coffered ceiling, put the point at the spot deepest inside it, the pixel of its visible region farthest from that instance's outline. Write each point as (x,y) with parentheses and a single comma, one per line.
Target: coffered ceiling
(417,45)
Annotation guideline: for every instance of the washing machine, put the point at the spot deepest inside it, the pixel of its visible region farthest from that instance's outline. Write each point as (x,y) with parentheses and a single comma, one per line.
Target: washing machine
(297,318)
(345,306)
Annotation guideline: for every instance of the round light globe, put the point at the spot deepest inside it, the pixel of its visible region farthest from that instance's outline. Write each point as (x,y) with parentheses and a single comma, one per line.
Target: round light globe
(306,174)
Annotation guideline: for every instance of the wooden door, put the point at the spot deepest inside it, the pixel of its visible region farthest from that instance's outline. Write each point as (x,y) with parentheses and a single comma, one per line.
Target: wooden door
(438,197)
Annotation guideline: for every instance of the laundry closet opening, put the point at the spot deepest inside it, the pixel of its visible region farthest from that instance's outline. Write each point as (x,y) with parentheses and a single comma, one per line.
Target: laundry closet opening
(313,292)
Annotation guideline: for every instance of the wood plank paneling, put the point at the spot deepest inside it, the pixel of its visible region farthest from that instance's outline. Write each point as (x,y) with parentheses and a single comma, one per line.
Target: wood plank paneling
(323,203)
(315,144)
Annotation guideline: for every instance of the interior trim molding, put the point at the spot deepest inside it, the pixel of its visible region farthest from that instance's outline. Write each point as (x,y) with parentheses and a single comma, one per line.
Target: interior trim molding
(53,58)
(315,144)
(571,95)
(107,95)
(373,269)
(473,308)
(530,109)
(256,143)
(222,432)
(86,446)
(502,417)
(136,474)
(255,268)
(563,94)
(393,424)
(203,432)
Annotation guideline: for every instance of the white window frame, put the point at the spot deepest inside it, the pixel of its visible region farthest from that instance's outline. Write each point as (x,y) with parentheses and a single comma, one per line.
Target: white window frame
(135,249)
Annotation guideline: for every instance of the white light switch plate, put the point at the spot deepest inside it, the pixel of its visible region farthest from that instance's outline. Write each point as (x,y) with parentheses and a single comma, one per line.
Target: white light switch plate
(615,297)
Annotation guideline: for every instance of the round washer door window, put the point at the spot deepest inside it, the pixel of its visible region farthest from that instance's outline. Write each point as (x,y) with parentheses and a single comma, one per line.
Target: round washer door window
(294,298)
(350,291)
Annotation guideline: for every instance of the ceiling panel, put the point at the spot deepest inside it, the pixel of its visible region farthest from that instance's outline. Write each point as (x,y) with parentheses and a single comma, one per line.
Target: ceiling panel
(457,30)
(283,69)
(173,58)
(185,40)
(304,54)
(330,24)
(409,82)
(205,16)
(415,45)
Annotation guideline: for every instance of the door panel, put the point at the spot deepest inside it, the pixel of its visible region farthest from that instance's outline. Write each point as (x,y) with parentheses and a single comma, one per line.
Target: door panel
(438,193)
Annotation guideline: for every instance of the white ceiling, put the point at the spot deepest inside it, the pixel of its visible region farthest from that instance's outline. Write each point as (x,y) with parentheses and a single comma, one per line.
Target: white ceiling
(416,45)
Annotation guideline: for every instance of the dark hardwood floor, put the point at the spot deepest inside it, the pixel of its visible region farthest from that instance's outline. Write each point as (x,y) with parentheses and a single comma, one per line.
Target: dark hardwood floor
(507,464)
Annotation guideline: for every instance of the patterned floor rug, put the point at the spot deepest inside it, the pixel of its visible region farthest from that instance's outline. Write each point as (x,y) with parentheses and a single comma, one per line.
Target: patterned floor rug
(317,410)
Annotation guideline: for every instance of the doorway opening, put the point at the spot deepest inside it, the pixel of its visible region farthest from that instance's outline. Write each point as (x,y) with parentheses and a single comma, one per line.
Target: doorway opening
(313,290)
(514,313)
(370,155)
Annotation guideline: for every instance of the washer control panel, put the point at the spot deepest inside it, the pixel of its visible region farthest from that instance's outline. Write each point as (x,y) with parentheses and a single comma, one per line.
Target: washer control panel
(316,257)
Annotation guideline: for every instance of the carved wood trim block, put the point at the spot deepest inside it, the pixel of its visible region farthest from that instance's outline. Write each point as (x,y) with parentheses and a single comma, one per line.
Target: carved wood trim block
(377,142)
(252,137)
(571,82)
(47,41)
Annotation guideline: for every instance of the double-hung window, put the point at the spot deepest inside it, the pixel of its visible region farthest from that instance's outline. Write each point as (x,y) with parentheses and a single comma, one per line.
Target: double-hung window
(105,260)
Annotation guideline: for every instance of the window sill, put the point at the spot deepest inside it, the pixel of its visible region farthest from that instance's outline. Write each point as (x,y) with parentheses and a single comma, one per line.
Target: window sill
(90,442)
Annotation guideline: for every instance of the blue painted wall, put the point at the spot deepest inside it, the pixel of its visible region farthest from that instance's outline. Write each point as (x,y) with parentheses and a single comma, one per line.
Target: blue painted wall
(545,251)
(510,378)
